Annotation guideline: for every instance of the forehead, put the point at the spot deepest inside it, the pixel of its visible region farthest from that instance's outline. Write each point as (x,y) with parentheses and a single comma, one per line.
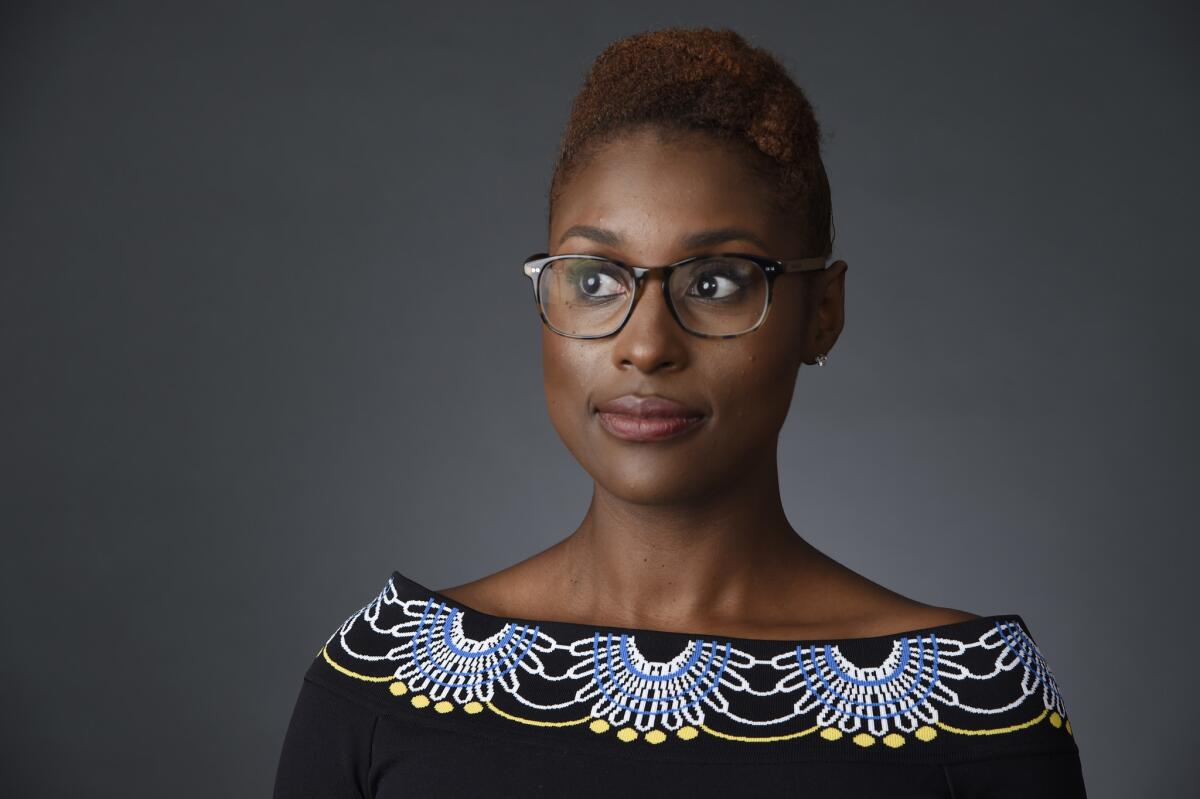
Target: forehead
(656,190)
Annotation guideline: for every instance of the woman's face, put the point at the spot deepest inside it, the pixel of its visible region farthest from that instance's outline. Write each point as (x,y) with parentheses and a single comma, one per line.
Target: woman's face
(650,196)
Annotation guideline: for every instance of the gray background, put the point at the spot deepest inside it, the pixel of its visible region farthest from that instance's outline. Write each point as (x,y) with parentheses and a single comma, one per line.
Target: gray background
(264,338)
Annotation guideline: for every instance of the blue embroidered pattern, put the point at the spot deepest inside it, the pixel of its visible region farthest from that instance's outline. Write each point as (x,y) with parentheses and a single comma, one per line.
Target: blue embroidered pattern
(992,682)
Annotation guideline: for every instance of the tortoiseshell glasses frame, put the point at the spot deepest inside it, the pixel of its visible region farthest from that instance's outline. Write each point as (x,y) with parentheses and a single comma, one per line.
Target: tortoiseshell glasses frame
(771,268)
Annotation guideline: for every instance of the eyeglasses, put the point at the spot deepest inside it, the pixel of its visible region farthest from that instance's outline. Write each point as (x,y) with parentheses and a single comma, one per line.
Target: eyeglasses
(712,296)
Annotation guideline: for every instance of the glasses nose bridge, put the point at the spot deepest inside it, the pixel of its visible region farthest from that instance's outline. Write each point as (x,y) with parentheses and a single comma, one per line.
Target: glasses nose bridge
(640,287)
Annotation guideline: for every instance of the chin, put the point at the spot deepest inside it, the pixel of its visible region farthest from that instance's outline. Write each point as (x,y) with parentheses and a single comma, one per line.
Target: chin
(652,484)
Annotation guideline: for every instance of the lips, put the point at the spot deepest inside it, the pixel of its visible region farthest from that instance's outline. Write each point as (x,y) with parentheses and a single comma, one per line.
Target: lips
(647,418)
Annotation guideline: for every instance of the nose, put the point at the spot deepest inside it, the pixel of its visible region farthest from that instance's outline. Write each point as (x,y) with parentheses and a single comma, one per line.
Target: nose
(651,339)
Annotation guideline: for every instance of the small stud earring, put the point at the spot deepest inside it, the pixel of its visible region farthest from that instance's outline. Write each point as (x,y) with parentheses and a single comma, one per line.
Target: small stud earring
(821,359)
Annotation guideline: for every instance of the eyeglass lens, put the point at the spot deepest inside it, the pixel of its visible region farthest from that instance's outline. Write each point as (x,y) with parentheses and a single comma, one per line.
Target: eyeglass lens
(721,295)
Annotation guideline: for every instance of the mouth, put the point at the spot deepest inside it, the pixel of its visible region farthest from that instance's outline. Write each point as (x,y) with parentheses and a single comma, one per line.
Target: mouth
(647,428)
(647,418)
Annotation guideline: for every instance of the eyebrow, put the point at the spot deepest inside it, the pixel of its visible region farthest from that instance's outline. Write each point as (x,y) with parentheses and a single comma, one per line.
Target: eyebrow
(703,238)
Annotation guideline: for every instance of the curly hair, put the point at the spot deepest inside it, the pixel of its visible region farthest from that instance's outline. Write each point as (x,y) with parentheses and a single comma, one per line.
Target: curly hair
(677,80)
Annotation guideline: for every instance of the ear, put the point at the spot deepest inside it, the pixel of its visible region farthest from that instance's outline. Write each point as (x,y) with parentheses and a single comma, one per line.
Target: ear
(827,311)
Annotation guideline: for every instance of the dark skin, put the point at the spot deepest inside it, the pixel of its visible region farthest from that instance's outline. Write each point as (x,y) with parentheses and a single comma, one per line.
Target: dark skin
(689,534)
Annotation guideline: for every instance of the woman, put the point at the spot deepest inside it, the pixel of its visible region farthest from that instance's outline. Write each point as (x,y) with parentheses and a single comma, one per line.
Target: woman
(684,639)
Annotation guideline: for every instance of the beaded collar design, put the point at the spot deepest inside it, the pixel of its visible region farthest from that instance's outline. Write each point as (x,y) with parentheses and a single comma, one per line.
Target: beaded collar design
(933,694)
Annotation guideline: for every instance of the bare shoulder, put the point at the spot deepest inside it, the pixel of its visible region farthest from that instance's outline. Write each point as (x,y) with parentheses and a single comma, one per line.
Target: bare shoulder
(913,616)
(867,609)
(930,616)
(522,590)
(501,593)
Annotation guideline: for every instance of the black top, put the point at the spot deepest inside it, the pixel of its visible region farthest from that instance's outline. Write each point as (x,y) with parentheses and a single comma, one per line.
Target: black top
(417,695)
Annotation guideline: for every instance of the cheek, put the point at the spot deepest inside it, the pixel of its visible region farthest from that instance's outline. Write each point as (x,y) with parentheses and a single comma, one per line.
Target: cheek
(753,394)
(566,370)
(758,376)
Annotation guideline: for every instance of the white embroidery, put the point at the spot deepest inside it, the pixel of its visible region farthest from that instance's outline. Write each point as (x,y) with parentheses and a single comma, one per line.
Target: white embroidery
(612,679)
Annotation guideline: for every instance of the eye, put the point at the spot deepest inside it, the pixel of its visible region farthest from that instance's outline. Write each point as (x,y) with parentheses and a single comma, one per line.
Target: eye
(720,278)
(598,283)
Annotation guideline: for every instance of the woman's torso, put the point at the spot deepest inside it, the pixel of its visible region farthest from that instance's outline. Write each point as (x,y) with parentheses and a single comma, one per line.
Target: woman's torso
(418,694)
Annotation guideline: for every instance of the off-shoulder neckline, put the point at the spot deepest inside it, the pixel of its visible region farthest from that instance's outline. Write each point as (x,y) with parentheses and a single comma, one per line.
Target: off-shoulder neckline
(415,590)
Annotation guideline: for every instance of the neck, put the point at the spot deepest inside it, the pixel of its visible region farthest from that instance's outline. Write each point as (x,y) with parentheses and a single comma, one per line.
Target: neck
(677,566)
